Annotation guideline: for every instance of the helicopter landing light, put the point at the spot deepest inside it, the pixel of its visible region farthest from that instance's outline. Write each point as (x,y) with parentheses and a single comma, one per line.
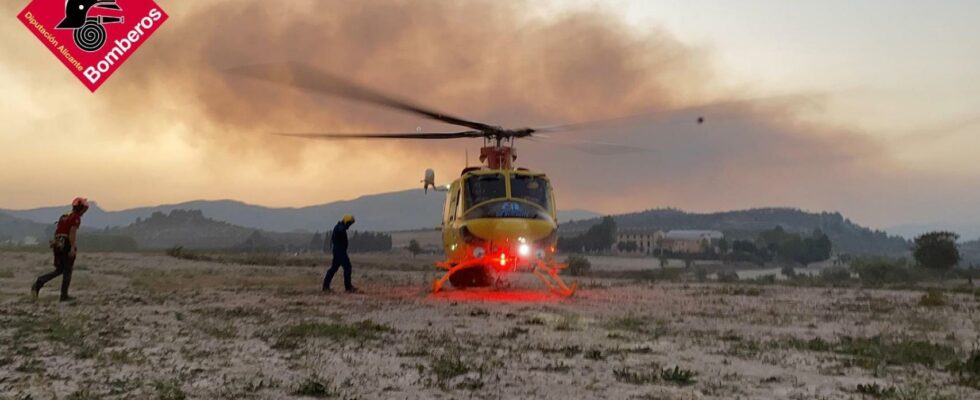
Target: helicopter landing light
(524,250)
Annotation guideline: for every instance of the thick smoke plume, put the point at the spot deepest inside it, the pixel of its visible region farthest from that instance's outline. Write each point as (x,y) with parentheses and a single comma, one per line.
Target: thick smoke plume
(489,61)
(480,59)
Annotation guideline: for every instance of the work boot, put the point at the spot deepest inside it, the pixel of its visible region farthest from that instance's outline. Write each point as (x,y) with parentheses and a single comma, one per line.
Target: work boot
(66,299)
(353,290)
(34,290)
(327,290)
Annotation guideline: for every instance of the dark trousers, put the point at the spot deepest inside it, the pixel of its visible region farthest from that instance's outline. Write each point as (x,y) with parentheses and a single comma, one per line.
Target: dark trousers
(339,260)
(64,263)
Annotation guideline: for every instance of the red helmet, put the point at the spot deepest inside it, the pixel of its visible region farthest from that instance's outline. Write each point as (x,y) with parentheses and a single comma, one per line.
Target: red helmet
(79,202)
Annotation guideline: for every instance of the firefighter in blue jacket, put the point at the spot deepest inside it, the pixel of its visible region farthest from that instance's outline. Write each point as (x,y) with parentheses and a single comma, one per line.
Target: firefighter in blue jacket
(338,243)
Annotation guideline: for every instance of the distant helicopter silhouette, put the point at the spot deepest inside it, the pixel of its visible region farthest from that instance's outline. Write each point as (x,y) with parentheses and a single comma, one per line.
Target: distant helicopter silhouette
(89,34)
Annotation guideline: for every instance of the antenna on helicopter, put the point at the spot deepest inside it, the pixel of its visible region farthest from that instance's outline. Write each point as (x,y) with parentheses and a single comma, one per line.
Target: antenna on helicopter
(429,180)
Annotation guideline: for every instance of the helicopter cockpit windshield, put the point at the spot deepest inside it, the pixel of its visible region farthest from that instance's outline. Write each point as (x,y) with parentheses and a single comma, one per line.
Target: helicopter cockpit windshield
(480,188)
(530,188)
(486,196)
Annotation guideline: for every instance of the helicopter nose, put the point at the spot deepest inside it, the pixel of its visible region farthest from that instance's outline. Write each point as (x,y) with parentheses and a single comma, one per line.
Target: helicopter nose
(504,230)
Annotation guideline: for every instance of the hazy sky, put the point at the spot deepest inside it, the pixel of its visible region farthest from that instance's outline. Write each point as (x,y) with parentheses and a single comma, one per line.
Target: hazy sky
(882,123)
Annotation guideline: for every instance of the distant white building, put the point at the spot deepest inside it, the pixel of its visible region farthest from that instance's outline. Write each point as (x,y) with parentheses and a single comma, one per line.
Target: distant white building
(648,242)
(638,242)
(691,241)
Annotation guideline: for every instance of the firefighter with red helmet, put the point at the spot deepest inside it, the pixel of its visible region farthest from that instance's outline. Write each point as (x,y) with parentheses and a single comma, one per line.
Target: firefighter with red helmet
(64,246)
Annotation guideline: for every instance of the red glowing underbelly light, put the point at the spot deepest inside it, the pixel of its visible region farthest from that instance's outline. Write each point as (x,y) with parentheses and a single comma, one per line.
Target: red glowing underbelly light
(503,260)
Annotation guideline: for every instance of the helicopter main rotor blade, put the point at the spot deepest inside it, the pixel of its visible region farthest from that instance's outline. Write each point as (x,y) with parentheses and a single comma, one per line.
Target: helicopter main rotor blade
(305,77)
(424,135)
(590,146)
(705,117)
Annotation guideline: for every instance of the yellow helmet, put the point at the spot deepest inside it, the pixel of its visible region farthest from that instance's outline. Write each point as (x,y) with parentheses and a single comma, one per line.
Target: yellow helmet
(347,219)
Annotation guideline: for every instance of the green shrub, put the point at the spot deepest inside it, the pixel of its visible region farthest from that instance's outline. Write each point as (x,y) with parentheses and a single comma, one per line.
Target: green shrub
(175,251)
(578,265)
(727,276)
(82,394)
(595,354)
(567,322)
(876,391)
(835,275)
(32,366)
(967,371)
(739,290)
(449,365)
(877,271)
(179,252)
(366,329)
(872,352)
(169,390)
(629,323)
(815,344)
(315,387)
(701,274)
(678,375)
(933,298)
(654,374)
(628,375)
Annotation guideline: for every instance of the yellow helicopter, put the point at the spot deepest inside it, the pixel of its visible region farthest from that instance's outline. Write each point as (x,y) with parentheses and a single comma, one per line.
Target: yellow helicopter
(497,218)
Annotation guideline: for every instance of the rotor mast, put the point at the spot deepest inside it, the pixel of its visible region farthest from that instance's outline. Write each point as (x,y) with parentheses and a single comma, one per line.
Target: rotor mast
(498,150)
(498,157)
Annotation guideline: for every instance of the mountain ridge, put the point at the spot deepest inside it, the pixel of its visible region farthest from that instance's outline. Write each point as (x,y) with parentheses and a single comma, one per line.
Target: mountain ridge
(392,211)
(15,230)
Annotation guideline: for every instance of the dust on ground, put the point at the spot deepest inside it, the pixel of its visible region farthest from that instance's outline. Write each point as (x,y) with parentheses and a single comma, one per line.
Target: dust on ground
(157,327)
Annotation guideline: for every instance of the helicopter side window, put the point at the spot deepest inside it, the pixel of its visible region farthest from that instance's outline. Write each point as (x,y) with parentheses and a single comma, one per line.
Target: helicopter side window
(452,201)
(480,188)
(530,188)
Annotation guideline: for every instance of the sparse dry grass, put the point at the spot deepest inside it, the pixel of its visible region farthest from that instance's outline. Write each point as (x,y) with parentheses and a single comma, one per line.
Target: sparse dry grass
(159,327)
(157,281)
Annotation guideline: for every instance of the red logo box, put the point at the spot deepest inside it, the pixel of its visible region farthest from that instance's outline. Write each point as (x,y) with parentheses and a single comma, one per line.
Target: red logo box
(93,38)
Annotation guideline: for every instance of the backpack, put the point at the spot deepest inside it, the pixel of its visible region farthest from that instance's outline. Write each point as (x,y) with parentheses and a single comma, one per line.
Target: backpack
(59,243)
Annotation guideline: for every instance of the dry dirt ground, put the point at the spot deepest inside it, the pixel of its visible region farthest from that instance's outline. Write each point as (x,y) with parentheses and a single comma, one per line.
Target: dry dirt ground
(155,327)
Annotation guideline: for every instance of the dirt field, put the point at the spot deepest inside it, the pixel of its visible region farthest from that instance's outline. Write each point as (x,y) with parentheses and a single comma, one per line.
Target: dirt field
(156,327)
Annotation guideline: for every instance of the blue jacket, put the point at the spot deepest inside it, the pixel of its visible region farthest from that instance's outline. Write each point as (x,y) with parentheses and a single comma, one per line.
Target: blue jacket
(338,239)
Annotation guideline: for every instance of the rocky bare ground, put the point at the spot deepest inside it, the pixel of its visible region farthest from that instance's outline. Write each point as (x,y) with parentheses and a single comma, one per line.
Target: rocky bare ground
(150,326)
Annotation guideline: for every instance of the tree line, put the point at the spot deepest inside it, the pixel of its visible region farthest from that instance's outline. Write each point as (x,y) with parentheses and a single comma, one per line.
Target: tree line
(769,245)
(779,245)
(360,242)
(599,238)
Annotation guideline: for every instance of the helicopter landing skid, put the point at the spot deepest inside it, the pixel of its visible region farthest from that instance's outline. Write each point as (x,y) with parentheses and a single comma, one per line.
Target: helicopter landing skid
(549,277)
(451,269)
